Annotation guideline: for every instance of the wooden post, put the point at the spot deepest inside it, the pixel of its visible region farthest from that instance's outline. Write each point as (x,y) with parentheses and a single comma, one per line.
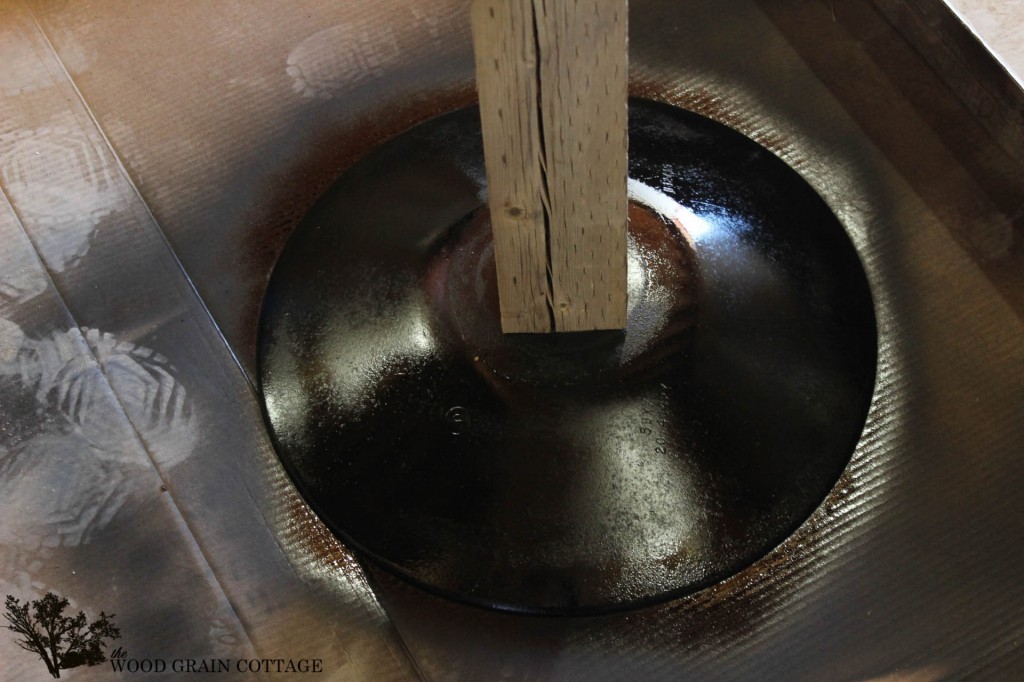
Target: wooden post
(552,78)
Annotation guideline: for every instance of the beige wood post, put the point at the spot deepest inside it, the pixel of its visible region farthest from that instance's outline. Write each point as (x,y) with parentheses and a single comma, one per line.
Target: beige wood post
(551,76)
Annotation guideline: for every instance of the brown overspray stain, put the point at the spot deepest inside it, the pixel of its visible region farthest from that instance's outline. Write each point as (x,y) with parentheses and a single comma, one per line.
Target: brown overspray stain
(308,533)
(722,615)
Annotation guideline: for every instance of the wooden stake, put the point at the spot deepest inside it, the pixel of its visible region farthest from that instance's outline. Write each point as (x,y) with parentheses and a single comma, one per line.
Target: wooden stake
(551,76)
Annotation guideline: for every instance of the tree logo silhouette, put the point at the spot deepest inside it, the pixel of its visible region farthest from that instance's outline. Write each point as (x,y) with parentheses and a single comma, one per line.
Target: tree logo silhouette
(61,641)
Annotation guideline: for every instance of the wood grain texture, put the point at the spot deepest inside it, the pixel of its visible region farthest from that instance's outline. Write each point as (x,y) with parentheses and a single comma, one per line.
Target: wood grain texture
(552,79)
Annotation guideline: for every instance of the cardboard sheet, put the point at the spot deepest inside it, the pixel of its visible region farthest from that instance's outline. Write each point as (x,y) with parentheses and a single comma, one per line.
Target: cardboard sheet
(154,157)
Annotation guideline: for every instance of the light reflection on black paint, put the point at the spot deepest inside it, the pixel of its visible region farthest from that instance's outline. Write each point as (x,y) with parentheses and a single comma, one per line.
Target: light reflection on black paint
(579,472)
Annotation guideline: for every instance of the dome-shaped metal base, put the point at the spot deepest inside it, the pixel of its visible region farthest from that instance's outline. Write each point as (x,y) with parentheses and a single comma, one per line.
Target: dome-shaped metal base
(573,472)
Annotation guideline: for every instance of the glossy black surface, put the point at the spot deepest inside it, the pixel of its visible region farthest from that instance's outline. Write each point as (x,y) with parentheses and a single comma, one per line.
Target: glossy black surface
(581,472)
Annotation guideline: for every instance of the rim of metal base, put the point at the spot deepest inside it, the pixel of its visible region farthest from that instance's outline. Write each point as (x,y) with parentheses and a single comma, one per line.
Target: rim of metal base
(572,473)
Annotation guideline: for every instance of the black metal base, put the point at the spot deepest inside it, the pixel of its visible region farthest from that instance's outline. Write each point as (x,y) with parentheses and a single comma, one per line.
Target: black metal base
(569,473)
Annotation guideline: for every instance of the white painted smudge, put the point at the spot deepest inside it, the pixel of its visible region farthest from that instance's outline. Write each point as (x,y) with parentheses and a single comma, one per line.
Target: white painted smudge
(61,183)
(54,494)
(68,477)
(19,281)
(22,72)
(62,373)
(339,57)
(156,402)
(224,640)
(71,52)
(11,338)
